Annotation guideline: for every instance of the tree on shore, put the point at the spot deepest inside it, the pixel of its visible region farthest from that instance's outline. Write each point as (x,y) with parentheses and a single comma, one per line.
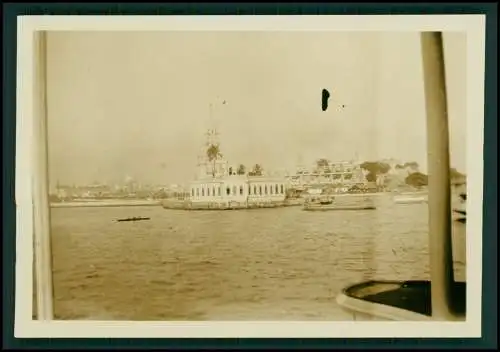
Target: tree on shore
(417,179)
(213,153)
(241,169)
(256,170)
(374,169)
(323,165)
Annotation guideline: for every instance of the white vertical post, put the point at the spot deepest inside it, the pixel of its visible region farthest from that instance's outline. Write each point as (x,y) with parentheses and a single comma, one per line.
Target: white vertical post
(440,240)
(43,253)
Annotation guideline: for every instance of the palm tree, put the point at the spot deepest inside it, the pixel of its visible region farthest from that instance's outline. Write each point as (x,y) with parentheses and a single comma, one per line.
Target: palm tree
(241,169)
(213,153)
(323,164)
(257,170)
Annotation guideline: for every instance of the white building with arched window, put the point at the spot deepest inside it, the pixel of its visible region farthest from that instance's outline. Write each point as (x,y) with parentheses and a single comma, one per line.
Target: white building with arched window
(239,189)
(219,183)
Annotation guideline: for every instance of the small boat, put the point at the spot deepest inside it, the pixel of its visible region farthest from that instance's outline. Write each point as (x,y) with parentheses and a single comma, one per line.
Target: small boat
(404,199)
(133,219)
(320,207)
(341,203)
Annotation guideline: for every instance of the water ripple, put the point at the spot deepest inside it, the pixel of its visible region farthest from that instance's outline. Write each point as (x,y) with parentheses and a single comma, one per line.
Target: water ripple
(261,264)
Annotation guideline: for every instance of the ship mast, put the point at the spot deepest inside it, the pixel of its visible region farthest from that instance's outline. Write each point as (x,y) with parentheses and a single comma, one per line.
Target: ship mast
(211,136)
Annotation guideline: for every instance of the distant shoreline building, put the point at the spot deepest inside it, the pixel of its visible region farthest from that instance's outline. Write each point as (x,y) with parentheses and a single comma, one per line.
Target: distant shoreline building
(218,182)
(86,191)
(339,175)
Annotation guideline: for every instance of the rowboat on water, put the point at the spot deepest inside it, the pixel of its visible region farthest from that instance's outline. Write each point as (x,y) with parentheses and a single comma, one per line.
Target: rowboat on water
(133,219)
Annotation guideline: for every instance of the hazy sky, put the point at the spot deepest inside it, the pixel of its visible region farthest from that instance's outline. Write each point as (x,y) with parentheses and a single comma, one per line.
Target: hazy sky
(137,103)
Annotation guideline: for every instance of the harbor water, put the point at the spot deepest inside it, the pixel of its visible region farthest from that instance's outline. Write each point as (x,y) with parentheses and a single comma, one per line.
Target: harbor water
(261,264)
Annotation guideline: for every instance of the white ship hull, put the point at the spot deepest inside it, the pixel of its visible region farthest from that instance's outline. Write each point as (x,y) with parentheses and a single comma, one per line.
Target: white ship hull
(410,199)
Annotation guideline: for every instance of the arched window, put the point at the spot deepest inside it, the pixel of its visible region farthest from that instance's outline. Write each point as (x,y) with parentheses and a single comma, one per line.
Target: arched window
(271,189)
(203,192)
(282,189)
(192,192)
(265,189)
(260,190)
(218,191)
(249,189)
(208,191)
(213,191)
(228,190)
(254,189)
(241,190)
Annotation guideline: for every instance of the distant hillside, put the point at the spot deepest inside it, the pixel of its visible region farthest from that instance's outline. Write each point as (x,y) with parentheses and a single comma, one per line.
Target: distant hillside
(417,179)
(413,177)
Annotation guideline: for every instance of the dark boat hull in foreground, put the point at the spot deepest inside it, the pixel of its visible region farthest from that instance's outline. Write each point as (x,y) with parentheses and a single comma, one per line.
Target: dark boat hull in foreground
(397,300)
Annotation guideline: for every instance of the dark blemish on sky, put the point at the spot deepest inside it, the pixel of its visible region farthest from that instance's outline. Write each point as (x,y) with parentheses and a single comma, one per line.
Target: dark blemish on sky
(324,99)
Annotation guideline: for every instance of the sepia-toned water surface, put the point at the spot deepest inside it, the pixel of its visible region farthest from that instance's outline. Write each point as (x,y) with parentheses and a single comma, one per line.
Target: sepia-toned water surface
(263,264)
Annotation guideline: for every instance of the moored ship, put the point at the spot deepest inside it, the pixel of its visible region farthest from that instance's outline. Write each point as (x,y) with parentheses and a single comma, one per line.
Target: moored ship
(344,202)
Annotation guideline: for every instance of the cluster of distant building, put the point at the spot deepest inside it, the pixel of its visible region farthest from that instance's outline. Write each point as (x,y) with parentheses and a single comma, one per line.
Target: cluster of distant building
(218,181)
(218,178)
(341,176)
(130,189)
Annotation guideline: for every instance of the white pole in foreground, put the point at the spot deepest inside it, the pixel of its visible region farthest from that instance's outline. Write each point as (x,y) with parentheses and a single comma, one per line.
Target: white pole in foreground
(438,159)
(43,253)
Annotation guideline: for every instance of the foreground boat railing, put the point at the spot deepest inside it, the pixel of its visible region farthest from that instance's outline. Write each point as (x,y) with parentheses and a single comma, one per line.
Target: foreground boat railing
(442,298)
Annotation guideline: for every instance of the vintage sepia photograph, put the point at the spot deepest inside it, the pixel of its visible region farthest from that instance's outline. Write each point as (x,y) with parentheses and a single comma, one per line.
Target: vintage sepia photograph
(251,175)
